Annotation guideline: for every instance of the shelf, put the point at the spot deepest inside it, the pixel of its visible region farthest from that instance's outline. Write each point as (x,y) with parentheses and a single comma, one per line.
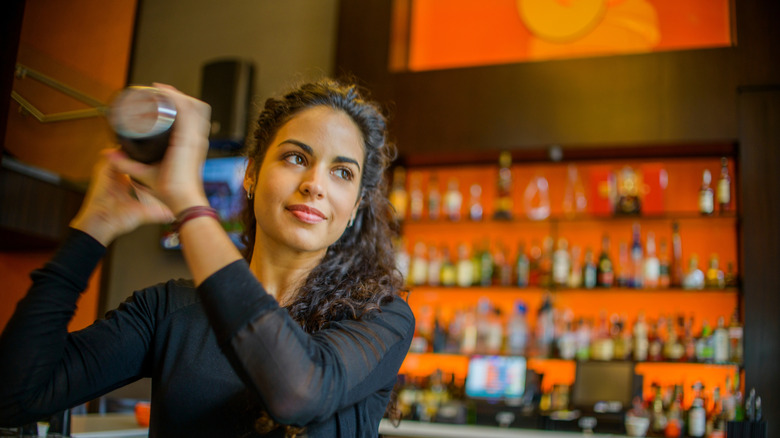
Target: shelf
(671,216)
(436,357)
(533,289)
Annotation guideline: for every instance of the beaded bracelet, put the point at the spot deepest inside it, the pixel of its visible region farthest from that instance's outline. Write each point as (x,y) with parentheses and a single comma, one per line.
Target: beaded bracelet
(191,213)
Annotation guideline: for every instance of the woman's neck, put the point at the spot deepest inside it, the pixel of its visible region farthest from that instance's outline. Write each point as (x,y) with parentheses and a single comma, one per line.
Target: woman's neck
(282,271)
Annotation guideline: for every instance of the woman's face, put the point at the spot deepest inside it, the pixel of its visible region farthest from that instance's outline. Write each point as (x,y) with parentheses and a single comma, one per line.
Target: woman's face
(308,185)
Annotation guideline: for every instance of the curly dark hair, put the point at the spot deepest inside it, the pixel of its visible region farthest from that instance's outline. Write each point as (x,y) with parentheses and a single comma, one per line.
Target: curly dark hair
(358,272)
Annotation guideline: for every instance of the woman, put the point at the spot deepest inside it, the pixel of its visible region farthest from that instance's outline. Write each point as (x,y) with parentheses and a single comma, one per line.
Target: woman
(304,334)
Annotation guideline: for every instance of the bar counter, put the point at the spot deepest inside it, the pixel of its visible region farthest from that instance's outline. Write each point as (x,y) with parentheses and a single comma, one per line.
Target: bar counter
(416,429)
(125,426)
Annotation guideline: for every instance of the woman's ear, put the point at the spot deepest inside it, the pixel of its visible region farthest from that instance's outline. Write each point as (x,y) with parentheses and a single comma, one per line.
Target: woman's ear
(249,178)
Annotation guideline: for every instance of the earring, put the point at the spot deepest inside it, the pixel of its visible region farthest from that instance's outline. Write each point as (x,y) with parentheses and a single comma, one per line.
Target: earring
(351,221)
(250,193)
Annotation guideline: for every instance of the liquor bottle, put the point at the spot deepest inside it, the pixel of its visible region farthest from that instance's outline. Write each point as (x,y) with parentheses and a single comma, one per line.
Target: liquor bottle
(545,263)
(730,278)
(623,266)
(486,265)
(419,268)
(545,327)
(517,330)
(583,334)
(439,336)
(416,197)
(673,349)
(636,253)
(475,202)
(664,277)
(720,337)
(605,274)
(504,203)
(706,195)
(735,339)
(588,270)
(676,265)
(694,278)
(658,422)
(575,278)
(652,266)
(402,259)
(476,261)
(483,324)
(502,271)
(453,200)
(399,198)
(689,342)
(567,339)
(640,338)
(449,272)
(434,198)
(697,415)
(574,200)
(724,186)
(522,266)
(561,264)
(465,268)
(714,277)
(704,349)
(534,260)
(655,342)
(434,266)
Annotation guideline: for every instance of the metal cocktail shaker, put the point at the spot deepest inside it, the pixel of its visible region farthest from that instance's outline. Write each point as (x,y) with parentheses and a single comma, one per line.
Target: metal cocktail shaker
(142,118)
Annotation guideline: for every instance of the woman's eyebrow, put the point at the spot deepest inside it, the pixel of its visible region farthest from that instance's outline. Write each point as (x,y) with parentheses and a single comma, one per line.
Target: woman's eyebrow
(308,149)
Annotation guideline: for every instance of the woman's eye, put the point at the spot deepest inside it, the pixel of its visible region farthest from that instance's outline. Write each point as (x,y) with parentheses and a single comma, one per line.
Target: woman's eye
(344,173)
(294,158)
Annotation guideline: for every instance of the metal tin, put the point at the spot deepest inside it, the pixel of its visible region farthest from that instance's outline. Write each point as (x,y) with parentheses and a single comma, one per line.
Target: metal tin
(142,118)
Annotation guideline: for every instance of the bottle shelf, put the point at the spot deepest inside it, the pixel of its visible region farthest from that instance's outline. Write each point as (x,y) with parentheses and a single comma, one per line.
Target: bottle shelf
(438,357)
(496,289)
(729,217)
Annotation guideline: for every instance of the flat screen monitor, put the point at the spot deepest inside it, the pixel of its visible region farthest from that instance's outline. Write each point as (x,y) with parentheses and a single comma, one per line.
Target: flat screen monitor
(496,377)
(223,183)
(603,385)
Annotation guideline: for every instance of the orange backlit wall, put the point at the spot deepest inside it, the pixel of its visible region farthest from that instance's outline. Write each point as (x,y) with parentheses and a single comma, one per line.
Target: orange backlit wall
(463,33)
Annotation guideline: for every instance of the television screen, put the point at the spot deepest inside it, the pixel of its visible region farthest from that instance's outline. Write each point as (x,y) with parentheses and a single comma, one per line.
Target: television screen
(496,377)
(609,384)
(223,182)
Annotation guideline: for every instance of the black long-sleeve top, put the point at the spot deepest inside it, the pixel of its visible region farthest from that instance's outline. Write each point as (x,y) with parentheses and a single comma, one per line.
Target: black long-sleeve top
(218,355)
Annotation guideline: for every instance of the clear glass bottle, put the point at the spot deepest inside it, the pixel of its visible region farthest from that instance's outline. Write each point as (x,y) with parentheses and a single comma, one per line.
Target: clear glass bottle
(724,186)
(706,195)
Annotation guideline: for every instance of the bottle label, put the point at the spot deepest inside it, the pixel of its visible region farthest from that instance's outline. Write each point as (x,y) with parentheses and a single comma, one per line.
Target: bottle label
(724,191)
(706,204)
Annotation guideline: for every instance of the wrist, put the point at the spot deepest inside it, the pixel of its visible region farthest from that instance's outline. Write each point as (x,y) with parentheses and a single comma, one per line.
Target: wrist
(191,213)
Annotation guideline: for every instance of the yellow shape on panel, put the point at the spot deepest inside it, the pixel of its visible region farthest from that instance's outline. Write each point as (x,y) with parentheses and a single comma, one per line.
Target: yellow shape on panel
(561,20)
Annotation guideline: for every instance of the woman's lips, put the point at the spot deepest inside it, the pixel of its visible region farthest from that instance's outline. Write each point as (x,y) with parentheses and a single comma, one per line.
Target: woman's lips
(304,213)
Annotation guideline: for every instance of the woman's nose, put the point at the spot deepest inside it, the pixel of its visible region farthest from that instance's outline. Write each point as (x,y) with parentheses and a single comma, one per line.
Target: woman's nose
(312,184)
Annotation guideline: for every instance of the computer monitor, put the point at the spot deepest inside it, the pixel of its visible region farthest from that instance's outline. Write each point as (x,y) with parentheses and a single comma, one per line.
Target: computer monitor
(604,386)
(496,377)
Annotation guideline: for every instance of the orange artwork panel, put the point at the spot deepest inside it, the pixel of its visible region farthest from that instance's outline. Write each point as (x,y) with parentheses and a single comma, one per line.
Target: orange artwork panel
(464,33)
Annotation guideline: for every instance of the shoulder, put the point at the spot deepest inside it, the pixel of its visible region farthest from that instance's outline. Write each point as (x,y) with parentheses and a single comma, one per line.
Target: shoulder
(164,298)
(396,314)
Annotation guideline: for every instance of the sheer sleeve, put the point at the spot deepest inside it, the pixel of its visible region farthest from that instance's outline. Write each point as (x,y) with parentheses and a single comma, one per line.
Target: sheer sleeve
(303,378)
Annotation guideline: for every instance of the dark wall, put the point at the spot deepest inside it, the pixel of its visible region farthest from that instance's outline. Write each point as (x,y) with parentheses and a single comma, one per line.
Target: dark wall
(680,98)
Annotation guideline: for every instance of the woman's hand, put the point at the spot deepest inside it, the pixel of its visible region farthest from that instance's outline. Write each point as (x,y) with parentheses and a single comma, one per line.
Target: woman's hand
(115,204)
(178,179)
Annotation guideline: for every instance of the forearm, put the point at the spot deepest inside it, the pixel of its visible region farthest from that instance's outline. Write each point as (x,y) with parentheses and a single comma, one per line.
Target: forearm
(206,247)
(33,341)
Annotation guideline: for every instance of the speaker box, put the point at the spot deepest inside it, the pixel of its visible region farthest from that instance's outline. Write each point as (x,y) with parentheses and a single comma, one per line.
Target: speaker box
(227,86)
